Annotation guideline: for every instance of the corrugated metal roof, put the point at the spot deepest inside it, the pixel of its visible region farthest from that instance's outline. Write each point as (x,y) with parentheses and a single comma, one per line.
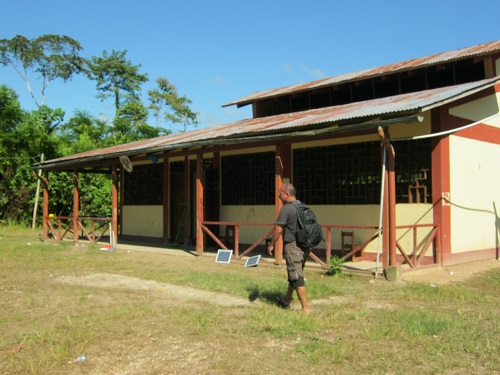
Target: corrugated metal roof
(401,104)
(391,68)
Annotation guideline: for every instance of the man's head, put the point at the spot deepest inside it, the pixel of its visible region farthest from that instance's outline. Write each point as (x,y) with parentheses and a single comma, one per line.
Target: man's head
(287,193)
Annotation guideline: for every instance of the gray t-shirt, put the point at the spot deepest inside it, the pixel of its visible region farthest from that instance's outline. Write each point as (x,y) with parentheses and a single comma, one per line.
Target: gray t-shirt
(288,218)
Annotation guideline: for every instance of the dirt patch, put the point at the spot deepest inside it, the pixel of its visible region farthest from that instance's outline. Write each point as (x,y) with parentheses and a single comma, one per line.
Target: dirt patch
(114,281)
(450,274)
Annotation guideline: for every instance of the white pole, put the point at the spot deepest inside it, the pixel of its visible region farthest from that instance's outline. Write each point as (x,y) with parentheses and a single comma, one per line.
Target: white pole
(35,207)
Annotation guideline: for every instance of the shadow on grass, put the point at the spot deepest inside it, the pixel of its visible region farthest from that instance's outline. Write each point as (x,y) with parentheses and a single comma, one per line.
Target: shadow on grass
(267,296)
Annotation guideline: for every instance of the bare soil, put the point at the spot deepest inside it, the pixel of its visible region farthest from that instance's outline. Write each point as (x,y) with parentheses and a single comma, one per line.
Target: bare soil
(450,274)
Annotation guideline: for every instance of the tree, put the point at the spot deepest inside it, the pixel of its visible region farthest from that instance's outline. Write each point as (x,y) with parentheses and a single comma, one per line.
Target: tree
(116,77)
(10,116)
(49,56)
(165,103)
(83,132)
(130,123)
(23,138)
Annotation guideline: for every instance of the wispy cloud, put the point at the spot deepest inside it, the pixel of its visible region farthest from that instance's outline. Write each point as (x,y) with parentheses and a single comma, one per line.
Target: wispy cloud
(288,68)
(315,73)
(218,80)
(301,69)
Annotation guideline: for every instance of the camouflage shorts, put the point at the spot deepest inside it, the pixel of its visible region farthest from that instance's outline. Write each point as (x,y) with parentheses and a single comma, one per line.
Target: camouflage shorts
(295,260)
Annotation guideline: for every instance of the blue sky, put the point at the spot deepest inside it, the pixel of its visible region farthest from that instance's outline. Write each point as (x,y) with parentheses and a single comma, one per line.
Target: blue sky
(218,51)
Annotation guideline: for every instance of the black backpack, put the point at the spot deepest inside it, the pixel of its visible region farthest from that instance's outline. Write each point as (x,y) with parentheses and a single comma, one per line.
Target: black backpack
(309,233)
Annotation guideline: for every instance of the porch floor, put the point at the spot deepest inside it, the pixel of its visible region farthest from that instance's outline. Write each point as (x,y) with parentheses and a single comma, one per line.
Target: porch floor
(359,268)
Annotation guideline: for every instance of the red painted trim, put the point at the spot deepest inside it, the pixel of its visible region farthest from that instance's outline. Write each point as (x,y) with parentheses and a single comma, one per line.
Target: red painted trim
(470,256)
(481,132)
(441,177)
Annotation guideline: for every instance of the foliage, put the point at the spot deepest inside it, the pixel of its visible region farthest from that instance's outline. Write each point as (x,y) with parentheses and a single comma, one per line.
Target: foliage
(23,137)
(336,266)
(49,57)
(116,78)
(166,103)
(82,133)
(27,135)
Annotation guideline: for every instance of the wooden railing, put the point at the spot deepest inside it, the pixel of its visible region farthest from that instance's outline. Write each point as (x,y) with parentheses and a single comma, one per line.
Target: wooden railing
(235,226)
(267,234)
(93,228)
(414,257)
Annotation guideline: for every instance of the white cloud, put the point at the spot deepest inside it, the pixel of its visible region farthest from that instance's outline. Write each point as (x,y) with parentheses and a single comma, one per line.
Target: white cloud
(288,68)
(218,80)
(315,73)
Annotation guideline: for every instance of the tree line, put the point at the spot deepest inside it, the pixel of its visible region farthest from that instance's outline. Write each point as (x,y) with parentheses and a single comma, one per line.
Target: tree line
(27,135)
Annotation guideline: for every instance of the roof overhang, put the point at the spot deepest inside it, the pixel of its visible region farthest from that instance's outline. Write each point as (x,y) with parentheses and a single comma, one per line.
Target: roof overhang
(312,123)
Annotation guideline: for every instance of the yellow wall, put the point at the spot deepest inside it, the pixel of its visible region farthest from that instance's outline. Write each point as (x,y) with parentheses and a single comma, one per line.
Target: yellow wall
(248,214)
(475,192)
(475,181)
(411,214)
(361,215)
(145,221)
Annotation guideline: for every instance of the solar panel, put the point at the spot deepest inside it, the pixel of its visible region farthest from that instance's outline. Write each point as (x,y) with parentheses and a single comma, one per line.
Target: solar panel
(223,256)
(252,261)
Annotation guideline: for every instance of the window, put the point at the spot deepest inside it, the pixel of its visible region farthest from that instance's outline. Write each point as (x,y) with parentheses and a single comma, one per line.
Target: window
(144,185)
(351,174)
(248,179)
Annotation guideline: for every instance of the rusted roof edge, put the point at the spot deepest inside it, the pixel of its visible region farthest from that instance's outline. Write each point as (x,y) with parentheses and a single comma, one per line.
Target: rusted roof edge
(283,126)
(233,140)
(392,68)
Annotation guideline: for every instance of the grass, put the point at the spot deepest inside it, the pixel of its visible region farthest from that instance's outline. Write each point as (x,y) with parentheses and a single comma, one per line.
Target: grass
(359,326)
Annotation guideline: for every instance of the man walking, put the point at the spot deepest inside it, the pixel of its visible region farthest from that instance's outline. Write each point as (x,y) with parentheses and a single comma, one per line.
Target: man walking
(286,227)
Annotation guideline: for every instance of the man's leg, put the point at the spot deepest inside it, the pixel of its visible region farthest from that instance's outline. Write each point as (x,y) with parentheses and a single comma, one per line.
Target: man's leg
(301,293)
(287,299)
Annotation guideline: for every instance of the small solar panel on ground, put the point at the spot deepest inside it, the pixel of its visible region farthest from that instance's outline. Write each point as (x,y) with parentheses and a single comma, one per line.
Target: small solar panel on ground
(252,261)
(223,256)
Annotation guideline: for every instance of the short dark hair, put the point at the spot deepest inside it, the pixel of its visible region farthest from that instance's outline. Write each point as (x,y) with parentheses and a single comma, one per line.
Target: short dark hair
(290,189)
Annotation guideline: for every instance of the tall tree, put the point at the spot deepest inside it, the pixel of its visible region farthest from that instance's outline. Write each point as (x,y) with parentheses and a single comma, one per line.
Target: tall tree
(23,138)
(116,77)
(48,57)
(82,132)
(165,103)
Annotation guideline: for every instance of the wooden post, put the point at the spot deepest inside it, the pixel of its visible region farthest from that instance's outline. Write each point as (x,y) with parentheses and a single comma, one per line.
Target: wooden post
(441,209)
(199,204)
(278,181)
(392,208)
(282,175)
(114,206)
(121,195)
(187,205)
(390,197)
(385,219)
(45,226)
(76,200)
(166,200)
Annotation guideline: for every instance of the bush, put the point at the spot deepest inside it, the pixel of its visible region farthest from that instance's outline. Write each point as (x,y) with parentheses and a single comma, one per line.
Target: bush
(336,266)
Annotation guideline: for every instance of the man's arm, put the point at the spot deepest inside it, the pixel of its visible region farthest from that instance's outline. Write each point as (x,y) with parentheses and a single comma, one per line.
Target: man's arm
(278,231)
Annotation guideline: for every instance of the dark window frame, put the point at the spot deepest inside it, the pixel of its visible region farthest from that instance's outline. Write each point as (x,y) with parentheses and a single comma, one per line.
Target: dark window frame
(350,174)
